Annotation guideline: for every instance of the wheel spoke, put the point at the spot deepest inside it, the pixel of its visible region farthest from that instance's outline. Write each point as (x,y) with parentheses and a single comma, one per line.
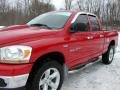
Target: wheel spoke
(42,82)
(47,73)
(55,74)
(53,85)
(45,87)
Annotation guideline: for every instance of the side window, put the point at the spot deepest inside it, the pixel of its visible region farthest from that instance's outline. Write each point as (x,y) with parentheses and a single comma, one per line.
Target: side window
(82,24)
(94,23)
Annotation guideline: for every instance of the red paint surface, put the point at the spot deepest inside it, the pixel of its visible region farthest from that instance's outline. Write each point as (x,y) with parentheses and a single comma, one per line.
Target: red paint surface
(14,70)
(44,41)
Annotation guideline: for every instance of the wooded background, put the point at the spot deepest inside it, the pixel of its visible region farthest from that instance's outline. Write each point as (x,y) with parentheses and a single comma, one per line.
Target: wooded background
(21,11)
(24,10)
(107,10)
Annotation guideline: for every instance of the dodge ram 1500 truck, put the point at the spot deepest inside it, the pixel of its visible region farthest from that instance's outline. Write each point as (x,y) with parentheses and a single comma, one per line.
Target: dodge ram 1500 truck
(39,55)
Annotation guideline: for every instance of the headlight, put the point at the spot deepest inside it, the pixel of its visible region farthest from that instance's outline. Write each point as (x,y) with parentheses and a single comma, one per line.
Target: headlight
(15,54)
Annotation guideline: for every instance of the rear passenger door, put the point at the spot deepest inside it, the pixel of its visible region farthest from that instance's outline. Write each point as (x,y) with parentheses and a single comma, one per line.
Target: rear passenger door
(97,33)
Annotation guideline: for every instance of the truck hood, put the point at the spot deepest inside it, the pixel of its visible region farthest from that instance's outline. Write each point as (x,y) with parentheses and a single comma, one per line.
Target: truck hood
(22,32)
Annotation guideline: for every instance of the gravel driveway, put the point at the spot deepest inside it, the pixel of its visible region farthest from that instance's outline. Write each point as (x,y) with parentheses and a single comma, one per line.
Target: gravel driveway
(96,76)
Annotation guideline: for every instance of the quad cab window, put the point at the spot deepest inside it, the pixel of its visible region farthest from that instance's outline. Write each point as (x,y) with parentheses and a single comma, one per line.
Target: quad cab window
(94,23)
(81,24)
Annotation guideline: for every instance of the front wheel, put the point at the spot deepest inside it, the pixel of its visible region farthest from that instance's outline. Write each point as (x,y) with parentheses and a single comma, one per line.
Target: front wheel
(108,57)
(48,77)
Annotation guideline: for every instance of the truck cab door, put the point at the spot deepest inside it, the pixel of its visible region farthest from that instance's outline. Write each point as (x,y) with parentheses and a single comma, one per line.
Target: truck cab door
(98,36)
(80,43)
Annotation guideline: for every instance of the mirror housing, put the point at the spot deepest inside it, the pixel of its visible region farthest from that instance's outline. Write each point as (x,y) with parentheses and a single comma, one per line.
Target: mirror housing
(76,27)
(72,28)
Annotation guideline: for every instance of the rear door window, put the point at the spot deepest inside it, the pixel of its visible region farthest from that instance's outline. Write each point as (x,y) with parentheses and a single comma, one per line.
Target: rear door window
(94,23)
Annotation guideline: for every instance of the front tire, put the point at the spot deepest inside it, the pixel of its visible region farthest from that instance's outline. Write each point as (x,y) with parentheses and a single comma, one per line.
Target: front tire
(108,57)
(48,77)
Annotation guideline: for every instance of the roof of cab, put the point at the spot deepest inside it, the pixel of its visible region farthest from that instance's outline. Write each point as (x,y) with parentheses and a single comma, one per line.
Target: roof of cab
(77,12)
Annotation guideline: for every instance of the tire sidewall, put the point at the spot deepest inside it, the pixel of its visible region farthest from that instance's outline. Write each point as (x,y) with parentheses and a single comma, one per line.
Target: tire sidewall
(52,64)
(113,48)
(105,56)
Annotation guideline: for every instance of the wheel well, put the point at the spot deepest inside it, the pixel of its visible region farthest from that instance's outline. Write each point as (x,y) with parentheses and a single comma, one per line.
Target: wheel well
(112,43)
(53,56)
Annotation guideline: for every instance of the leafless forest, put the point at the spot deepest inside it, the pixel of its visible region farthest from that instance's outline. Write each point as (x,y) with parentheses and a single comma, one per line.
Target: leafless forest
(107,10)
(24,10)
(21,11)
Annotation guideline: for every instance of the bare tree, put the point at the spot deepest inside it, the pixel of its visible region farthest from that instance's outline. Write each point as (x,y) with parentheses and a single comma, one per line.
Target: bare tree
(22,11)
(3,6)
(68,4)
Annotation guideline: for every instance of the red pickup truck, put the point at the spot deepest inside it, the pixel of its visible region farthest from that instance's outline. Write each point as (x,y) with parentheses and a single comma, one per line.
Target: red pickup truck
(39,55)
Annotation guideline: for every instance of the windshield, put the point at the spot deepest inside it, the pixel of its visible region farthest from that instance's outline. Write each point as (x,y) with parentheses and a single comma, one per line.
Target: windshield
(53,20)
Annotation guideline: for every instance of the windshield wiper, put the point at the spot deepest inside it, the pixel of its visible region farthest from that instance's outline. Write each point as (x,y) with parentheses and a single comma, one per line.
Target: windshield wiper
(41,25)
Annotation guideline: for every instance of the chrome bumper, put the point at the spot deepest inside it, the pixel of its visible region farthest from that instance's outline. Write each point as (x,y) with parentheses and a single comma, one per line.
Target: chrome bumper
(15,81)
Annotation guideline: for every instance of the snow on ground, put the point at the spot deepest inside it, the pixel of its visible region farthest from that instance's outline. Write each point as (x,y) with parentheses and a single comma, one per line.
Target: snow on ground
(2,26)
(96,76)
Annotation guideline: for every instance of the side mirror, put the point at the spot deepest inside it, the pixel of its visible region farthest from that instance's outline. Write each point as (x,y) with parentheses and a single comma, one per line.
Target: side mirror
(76,27)
(72,28)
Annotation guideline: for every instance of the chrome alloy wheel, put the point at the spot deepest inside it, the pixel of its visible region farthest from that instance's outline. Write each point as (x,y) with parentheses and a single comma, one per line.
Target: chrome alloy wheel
(111,55)
(50,79)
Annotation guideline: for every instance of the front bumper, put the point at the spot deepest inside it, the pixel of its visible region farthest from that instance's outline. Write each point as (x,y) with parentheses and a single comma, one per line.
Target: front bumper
(14,81)
(14,76)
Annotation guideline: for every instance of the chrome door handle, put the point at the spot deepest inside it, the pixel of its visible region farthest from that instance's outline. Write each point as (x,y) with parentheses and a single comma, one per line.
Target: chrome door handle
(101,36)
(89,37)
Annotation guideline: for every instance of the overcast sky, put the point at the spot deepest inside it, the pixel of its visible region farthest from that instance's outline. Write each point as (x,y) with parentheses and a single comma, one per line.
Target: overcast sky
(58,4)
